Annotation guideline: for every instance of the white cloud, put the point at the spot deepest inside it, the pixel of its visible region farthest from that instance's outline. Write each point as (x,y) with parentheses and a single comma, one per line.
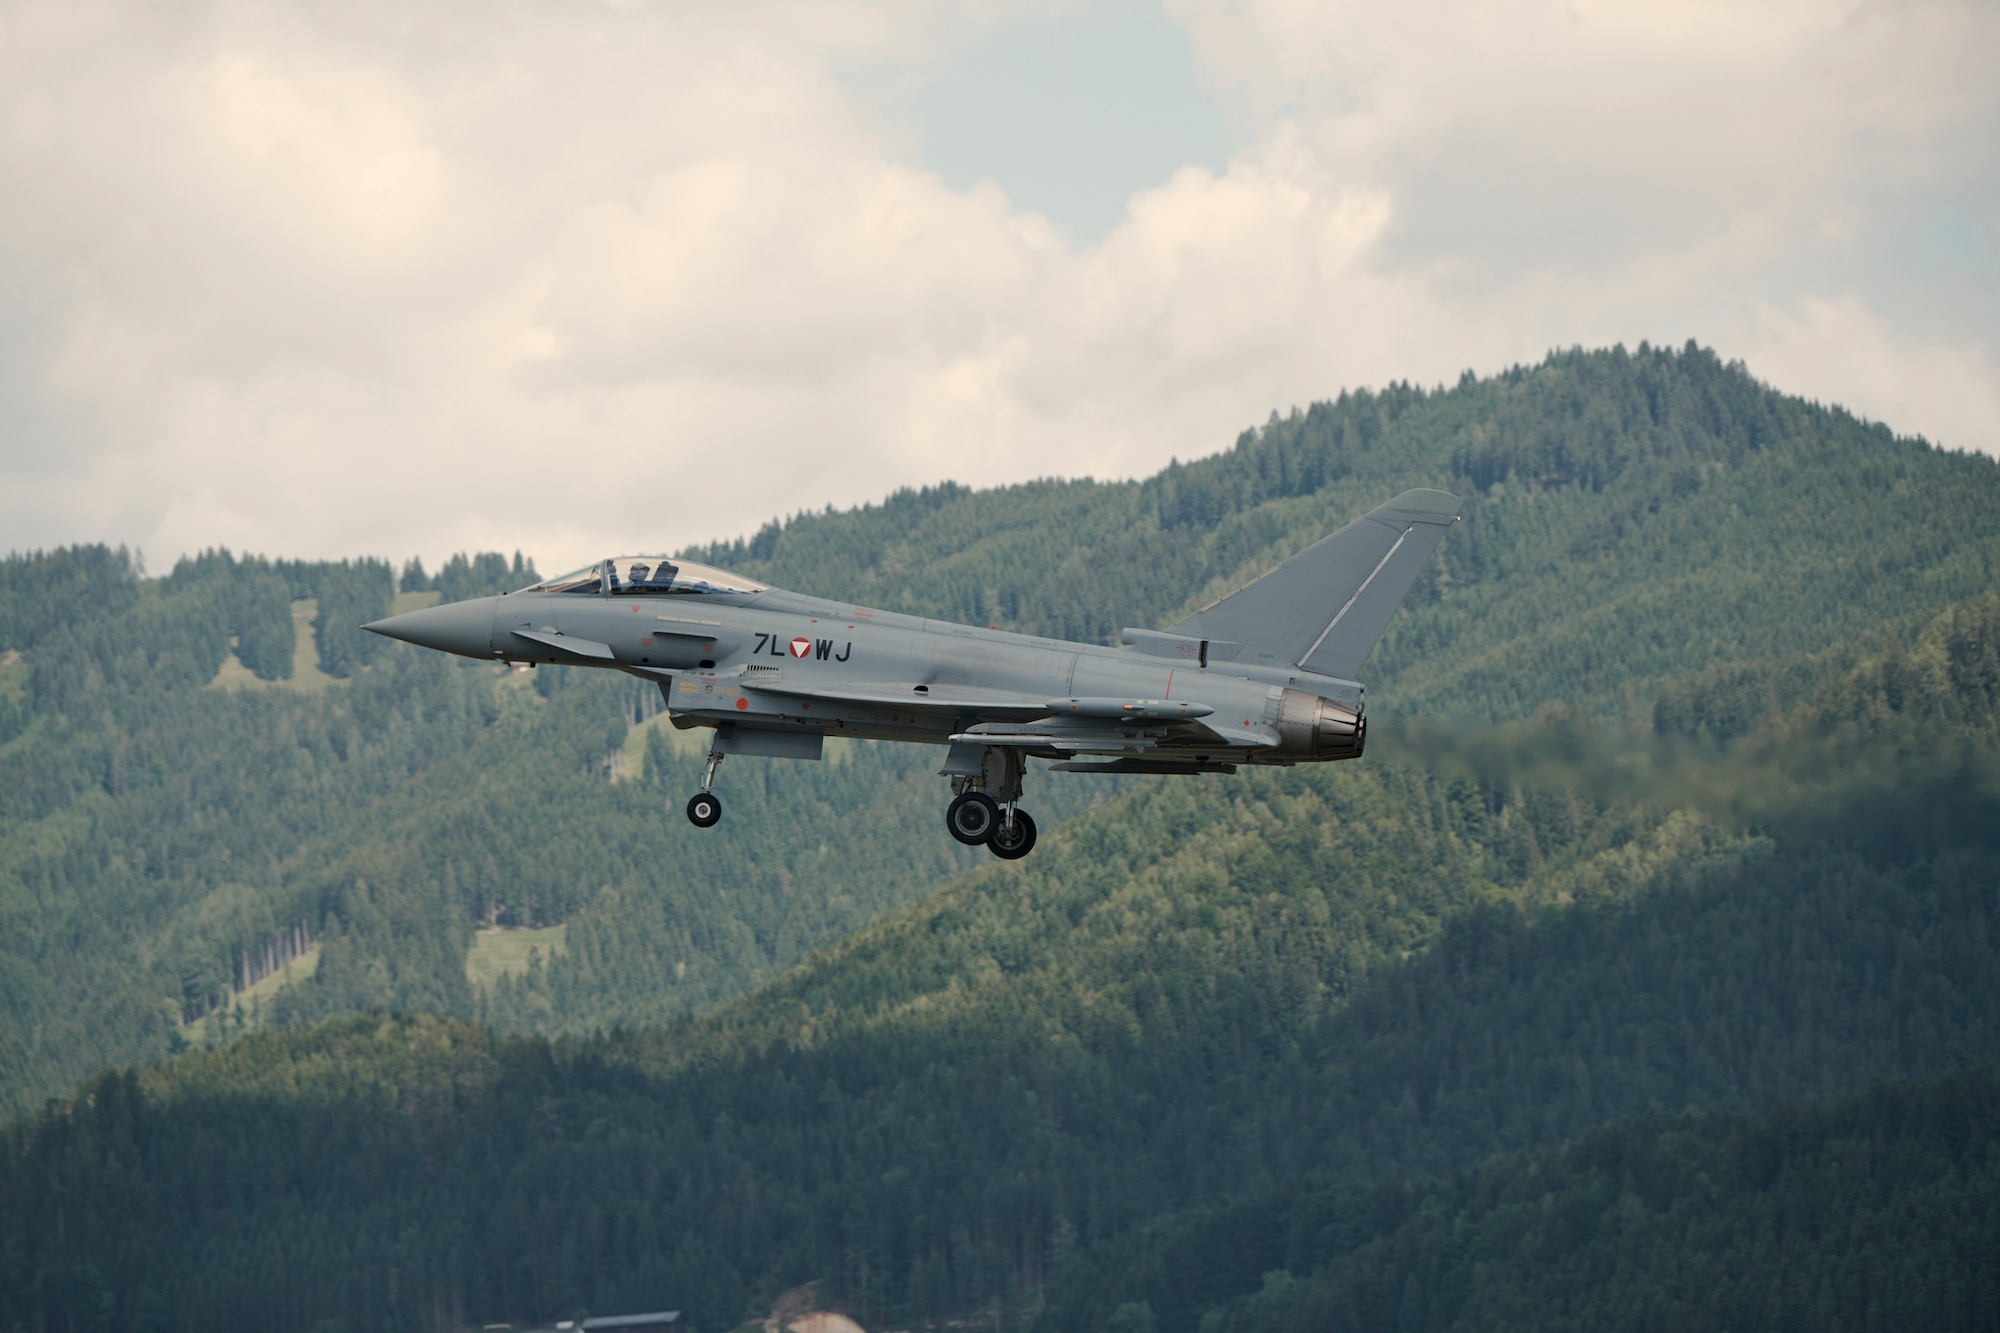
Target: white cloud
(424,276)
(1839,351)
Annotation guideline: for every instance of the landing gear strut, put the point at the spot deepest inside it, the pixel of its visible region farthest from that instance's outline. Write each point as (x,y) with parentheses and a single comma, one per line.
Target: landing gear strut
(705,807)
(983,809)
(1014,838)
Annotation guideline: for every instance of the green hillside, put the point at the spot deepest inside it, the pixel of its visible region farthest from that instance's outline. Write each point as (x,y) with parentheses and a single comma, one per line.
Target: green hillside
(160,838)
(1879,1212)
(1293,995)
(1682,793)
(1628,516)
(1633,519)
(167,842)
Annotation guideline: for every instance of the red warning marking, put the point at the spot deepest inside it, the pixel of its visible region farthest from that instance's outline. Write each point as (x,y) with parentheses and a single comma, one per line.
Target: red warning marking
(1170,684)
(745,703)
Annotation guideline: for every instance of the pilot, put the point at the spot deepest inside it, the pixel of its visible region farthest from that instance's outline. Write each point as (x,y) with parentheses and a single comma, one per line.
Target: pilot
(638,573)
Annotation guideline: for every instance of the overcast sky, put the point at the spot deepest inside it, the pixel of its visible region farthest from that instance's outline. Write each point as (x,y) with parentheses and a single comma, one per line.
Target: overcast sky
(412,277)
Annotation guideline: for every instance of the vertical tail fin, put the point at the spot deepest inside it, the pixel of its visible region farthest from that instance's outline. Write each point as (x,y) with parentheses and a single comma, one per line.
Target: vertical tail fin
(1324,608)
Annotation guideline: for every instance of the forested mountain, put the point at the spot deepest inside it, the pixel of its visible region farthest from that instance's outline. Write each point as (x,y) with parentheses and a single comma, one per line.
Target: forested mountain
(1879,1212)
(1307,993)
(203,774)
(163,838)
(1628,516)
(1681,793)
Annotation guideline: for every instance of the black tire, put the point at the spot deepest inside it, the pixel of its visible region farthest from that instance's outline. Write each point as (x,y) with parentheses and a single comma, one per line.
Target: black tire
(704,808)
(972,818)
(1012,842)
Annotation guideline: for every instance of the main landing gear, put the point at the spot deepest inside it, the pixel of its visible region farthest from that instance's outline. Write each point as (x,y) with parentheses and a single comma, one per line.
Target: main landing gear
(1015,836)
(705,807)
(983,810)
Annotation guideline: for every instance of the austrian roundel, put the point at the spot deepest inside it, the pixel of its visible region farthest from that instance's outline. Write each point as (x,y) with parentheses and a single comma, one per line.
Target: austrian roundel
(800,647)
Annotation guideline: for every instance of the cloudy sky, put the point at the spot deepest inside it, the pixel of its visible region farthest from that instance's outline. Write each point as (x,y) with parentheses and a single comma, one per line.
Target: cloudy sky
(415,276)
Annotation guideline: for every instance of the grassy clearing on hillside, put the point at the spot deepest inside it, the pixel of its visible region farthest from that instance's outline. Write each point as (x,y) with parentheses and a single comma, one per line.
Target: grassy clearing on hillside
(243,1009)
(502,952)
(414,601)
(234,675)
(306,675)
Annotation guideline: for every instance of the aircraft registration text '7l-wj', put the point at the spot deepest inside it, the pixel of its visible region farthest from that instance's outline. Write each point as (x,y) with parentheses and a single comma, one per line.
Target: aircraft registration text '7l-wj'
(1263,676)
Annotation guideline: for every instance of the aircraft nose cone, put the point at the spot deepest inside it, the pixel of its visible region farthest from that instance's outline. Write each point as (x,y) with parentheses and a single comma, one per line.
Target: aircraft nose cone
(465,628)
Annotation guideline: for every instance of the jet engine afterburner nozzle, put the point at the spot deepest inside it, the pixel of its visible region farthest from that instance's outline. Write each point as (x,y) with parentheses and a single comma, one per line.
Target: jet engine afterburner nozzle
(1313,728)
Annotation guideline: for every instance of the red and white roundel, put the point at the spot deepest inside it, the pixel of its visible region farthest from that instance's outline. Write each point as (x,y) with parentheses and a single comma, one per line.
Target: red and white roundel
(800,647)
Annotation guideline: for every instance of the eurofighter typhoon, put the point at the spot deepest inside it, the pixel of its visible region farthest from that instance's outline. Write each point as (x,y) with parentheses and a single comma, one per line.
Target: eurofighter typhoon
(1263,676)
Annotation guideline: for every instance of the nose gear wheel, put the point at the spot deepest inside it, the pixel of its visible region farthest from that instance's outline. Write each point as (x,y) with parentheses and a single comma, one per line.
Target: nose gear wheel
(705,807)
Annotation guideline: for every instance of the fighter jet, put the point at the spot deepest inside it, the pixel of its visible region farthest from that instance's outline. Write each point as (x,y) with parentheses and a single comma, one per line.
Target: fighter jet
(1263,676)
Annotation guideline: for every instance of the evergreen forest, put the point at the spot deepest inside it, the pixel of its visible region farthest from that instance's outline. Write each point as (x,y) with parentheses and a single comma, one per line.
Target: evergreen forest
(1645,973)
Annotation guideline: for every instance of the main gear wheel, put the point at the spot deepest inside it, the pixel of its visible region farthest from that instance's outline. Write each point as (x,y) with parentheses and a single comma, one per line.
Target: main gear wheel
(972,817)
(1013,837)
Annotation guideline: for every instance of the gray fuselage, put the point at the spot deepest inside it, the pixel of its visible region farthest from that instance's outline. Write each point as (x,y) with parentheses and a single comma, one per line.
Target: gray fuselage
(773,659)
(1256,677)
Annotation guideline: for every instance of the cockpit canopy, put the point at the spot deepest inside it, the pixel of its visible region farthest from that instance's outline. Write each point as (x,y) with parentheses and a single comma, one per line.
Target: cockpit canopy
(651,575)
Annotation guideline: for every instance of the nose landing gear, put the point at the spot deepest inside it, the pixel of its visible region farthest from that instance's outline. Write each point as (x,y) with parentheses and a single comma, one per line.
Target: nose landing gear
(983,810)
(705,807)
